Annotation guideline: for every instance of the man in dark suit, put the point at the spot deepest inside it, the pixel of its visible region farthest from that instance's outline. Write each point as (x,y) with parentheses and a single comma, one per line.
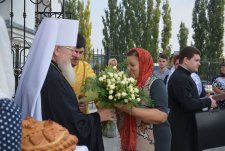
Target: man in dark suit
(184,101)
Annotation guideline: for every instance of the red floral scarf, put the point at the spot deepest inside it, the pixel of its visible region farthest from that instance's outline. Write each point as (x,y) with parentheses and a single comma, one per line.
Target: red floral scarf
(128,132)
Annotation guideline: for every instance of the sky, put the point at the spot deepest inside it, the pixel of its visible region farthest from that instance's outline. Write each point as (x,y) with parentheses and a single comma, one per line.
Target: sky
(181,10)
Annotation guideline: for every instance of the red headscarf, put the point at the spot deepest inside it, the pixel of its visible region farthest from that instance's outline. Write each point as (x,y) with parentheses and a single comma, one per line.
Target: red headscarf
(128,132)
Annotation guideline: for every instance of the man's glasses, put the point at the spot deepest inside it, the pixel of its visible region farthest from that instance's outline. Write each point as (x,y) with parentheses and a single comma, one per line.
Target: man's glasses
(71,48)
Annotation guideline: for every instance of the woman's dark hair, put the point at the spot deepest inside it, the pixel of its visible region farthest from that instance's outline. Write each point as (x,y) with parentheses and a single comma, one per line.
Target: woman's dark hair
(132,52)
(188,52)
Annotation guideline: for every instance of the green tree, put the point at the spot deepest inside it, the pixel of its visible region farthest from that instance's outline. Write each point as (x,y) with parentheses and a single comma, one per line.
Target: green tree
(147,40)
(80,11)
(216,28)
(167,28)
(183,36)
(86,30)
(75,10)
(111,27)
(131,24)
(138,21)
(129,19)
(71,9)
(155,31)
(199,25)
(122,47)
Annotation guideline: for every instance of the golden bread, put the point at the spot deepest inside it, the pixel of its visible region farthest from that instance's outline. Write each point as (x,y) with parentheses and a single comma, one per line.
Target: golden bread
(46,136)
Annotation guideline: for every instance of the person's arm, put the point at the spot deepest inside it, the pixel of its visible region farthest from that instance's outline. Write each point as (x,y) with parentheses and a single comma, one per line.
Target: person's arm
(155,115)
(147,115)
(184,95)
(216,86)
(89,71)
(59,104)
(217,90)
(151,115)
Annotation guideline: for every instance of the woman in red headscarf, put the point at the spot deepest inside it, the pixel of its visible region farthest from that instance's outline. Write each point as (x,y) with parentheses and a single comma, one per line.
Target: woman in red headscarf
(145,128)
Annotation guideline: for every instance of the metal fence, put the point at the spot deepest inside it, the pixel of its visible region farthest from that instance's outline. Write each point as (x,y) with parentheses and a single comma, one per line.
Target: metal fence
(209,69)
(97,57)
(19,43)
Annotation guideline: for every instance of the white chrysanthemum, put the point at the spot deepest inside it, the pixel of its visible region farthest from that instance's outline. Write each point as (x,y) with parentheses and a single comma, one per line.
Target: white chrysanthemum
(119,95)
(104,77)
(110,97)
(123,82)
(115,75)
(110,74)
(100,79)
(108,81)
(112,87)
(124,94)
(118,78)
(120,74)
(136,90)
(114,67)
(113,80)
(131,88)
(138,99)
(132,80)
(132,91)
(126,100)
(110,91)
(126,82)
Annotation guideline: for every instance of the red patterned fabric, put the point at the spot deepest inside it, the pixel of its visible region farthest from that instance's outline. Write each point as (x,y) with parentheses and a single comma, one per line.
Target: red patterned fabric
(146,66)
(128,132)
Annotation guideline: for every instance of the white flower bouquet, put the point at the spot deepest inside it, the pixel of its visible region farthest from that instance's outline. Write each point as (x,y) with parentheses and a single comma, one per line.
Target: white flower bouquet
(113,87)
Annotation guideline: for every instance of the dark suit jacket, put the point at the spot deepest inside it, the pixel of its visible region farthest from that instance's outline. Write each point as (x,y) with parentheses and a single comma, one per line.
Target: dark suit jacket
(184,101)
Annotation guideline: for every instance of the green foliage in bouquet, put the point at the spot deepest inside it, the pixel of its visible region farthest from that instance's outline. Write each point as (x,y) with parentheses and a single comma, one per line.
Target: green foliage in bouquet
(114,87)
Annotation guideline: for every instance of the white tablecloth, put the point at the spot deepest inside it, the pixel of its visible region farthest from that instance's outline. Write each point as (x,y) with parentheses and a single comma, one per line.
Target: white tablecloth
(81,148)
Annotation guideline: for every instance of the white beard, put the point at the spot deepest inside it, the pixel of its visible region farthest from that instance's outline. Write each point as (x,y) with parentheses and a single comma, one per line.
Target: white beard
(68,73)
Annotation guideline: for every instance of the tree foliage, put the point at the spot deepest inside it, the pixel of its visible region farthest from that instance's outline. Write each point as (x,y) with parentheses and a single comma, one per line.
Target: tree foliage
(183,36)
(167,28)
(199,25)
(131,23)
(71,9)
(75,10)
(216,28)
(86,29)
(208,25)
(111,26)
(155,31)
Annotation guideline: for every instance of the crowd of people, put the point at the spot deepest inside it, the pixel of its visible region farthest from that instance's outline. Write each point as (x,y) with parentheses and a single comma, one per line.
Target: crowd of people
(51,83)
